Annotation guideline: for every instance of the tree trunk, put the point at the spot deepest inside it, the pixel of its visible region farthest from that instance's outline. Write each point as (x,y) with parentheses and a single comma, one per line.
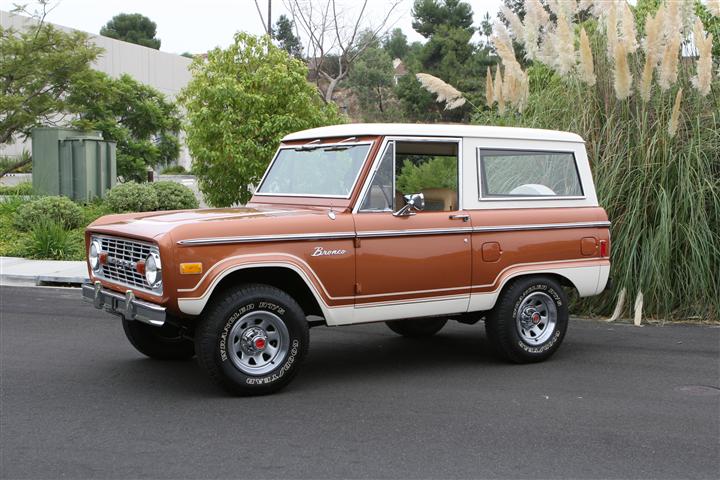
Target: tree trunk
(331,89)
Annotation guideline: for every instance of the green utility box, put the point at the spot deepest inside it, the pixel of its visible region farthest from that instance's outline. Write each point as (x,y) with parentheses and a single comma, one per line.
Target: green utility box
(76,164)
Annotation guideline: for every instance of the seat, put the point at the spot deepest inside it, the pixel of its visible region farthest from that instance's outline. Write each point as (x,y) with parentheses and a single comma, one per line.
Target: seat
(440,199)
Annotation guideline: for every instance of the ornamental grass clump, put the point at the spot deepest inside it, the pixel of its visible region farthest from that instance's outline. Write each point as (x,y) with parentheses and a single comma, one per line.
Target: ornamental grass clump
(651,120)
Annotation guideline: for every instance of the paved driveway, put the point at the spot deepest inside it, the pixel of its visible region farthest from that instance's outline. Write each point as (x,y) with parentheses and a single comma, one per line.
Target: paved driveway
(615,402)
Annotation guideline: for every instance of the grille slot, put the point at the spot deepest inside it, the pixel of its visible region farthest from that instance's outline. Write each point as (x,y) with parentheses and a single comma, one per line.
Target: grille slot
(128,252)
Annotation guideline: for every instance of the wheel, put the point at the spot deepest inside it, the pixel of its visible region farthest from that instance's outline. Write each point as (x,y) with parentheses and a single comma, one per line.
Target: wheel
(417,327)
(160,343)
(529,321)
(252,340)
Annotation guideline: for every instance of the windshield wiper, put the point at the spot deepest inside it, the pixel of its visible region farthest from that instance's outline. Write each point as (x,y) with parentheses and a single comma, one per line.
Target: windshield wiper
(308,146)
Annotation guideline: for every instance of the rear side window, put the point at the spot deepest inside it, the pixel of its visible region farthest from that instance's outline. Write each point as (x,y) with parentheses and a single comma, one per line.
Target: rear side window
(525,173)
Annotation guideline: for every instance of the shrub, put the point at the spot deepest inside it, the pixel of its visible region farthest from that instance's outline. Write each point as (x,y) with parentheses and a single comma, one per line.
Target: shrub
(24,188)
(258,89)
(49,240)
(653,132)
(174,196)
(61,210)
(174,170)
(132,197)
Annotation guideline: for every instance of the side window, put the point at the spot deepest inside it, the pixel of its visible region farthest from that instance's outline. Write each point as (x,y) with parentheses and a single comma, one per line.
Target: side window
(379,196)
(521,173)
(430,168)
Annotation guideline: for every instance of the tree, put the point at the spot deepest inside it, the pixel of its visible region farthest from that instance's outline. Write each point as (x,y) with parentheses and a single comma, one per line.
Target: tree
(136,116)
(334,39)
(284,34)
(486,27)
(429,14)
(396,44)
(448,54)
(37,67)
(133,28)
(240,103)
(371,79)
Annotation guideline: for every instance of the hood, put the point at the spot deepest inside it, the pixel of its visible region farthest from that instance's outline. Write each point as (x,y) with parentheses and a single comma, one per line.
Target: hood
(216,222)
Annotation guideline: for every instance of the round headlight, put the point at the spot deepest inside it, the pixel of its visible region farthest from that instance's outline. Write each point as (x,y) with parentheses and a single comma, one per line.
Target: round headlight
(94,255)
(153,270)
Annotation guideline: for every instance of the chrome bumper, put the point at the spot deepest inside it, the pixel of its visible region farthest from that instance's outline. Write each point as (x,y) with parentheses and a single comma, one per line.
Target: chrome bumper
(126,305)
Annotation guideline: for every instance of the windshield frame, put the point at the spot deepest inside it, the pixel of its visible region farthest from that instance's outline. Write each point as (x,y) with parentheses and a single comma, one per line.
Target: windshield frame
(315,145)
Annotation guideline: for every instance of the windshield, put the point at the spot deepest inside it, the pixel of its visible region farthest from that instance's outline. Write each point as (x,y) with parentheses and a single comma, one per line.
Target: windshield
(327,171)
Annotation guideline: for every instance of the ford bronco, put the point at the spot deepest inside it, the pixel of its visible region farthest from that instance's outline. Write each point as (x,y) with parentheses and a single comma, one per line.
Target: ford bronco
(412,225)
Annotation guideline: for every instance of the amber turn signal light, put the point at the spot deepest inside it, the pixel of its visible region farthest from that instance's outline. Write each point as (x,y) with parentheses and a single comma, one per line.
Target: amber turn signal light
(190,268)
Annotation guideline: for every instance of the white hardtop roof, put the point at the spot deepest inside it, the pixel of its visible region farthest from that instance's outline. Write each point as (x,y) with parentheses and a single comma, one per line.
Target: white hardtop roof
(432,130)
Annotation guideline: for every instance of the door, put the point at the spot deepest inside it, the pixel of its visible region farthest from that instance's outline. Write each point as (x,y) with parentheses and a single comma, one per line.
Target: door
(418,264)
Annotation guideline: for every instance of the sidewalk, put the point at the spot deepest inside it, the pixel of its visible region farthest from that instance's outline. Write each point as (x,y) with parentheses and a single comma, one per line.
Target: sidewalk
(23,272)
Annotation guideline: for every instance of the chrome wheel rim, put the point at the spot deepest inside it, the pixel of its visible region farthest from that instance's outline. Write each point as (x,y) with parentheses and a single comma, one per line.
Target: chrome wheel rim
(536,319)
(258,343)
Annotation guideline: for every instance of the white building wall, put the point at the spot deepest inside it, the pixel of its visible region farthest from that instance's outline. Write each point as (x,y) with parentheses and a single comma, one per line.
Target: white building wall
(167,72)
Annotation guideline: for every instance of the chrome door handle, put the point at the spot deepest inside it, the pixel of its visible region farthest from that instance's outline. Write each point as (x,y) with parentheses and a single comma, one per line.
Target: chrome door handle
(460,216)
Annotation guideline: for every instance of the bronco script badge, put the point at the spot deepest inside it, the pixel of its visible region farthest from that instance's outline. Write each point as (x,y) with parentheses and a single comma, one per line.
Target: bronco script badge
(321,252)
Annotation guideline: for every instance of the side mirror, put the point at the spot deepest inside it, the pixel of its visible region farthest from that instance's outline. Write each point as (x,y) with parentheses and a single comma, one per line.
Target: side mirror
(413,203)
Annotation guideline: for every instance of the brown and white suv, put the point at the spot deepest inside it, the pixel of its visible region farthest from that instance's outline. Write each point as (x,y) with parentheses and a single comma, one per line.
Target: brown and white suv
(412,225)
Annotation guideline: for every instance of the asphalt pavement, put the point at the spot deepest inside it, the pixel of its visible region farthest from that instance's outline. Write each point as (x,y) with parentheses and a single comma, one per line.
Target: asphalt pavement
(616,401)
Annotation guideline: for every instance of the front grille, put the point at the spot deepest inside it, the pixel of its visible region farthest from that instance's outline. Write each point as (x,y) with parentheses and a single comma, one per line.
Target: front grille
(123,255)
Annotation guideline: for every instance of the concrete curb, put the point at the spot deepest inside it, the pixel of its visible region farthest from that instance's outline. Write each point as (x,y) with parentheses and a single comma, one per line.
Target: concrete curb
(24,272)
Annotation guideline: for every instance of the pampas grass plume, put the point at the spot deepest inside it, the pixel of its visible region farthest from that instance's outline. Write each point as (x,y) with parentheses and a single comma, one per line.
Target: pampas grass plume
(565,60)
(497,88)
(515,24)
(445,92)
(646,80)
(489,94)
(535,17)
(703,42)
(714,7)
(611,29)
(675,117)
(623,77)
(669,65)
(629,34)
(587,70)
(652,43)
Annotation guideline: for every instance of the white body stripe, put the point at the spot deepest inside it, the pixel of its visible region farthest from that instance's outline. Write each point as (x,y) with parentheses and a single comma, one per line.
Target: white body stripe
(588,280)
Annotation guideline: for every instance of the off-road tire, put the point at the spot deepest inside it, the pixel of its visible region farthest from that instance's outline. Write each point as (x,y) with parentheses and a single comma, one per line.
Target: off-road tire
(160,343)
(503,327)
(214,346)
(417,327)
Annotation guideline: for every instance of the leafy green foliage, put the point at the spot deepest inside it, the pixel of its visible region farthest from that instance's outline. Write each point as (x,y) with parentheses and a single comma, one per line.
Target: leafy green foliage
(136,116)
(371,79)
(240,103)
(61,210)
(23,188)
(134,28)
(396,44)
(49,240)
(174,196)
(448,54)
(174,170)
(37,67)
(18,243)
(417,103)
(429,14)
(284,34)
(438,172)
(131,197)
